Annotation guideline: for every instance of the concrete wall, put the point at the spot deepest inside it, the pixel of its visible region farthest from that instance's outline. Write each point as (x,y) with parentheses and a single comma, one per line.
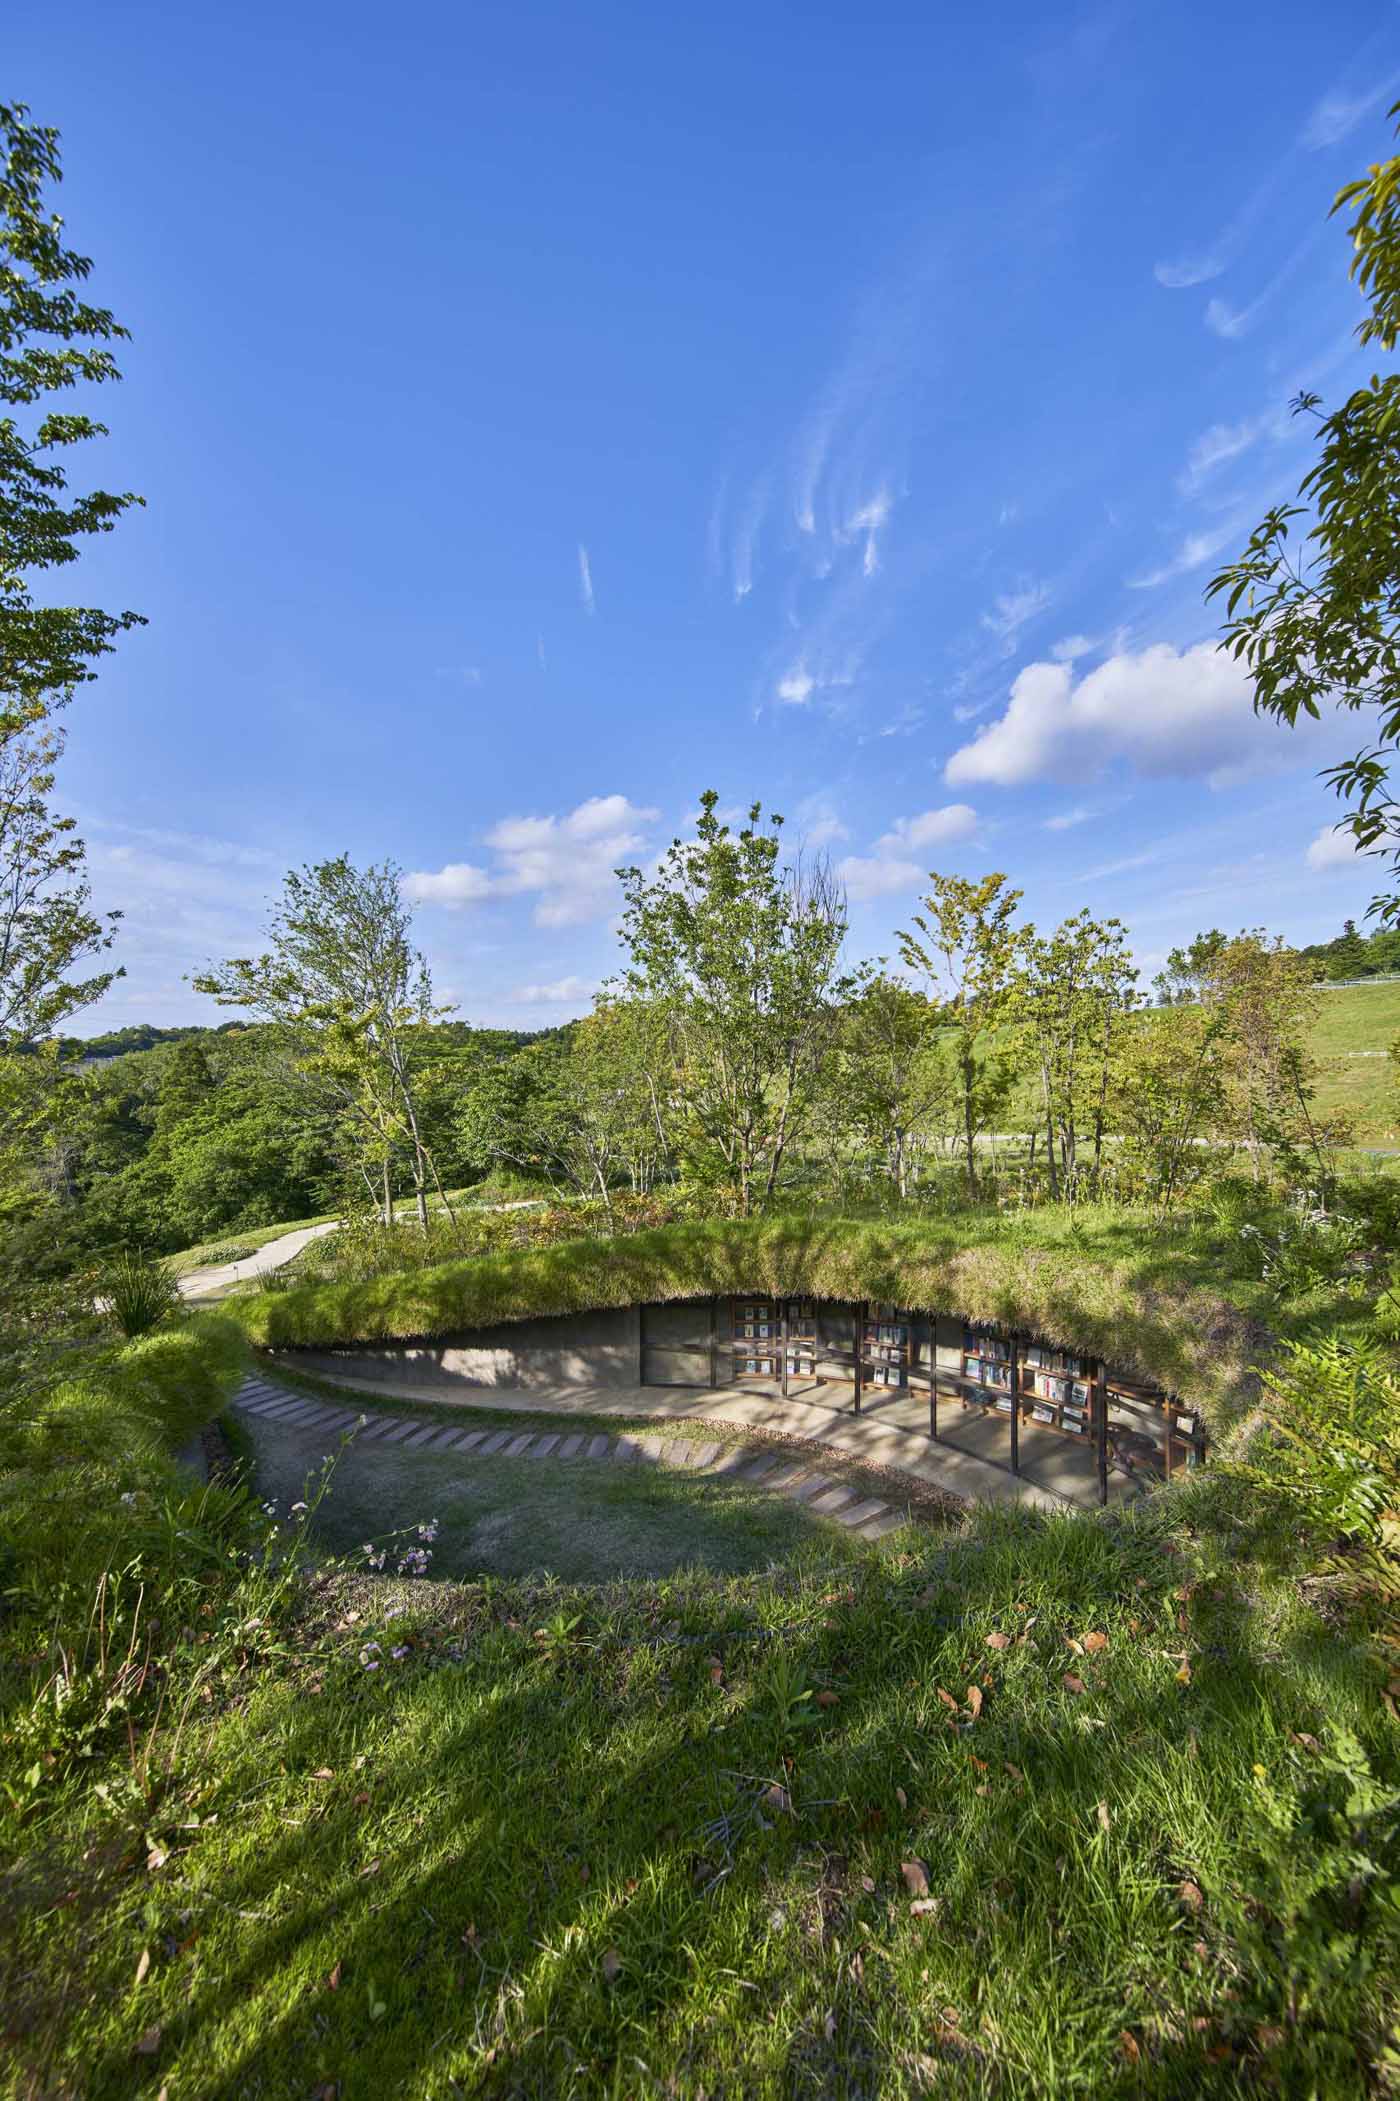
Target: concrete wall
(571,1349)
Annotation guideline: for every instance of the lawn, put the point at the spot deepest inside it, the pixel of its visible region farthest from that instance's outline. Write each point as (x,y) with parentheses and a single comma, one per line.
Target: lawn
(1037,1806)
(1350,1039)
(579,1520)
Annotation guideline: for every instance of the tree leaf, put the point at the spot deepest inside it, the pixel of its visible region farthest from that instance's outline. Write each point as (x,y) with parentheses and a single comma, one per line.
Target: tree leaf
(915,1877)
(1071,1683)
(998,1641)
(1095,1642)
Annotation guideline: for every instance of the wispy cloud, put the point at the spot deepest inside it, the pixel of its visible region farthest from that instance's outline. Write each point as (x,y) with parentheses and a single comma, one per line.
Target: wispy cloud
(868,520)
(1191,270)
(585,578)
(1015,607)
(1194,552)
(1337,114)
(1216,447)
(1065,820)
(1227,321)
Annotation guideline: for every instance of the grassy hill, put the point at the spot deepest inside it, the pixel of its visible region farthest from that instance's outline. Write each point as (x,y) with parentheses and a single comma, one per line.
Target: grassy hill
(1356,1077)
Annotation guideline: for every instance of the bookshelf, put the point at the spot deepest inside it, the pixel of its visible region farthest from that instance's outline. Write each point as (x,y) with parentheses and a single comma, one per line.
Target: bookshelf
(755,1338)
(884,1346)
(1057,1390)
(1149,1429)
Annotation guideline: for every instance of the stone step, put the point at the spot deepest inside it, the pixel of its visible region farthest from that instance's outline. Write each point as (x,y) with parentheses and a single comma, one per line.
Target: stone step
(861,1513)
(598,1448)
(627,1448)
(835,1499)
(542,1447)
(518,1446)
(496,1443)
(468,1440)
(401,1430)
(569,1447)
(877,1527)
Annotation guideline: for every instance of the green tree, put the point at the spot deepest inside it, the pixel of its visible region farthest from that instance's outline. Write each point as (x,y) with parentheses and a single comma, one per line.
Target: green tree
(741,954)
(51,340)
(1071,993)
(1317,623)
(1168,1095)
(963,944)
(892,1083)
(350,1003)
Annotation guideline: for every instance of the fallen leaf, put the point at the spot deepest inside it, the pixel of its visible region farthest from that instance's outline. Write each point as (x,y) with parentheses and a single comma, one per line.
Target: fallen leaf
(1071,1683)
(1183,1676)
(1095,1642)
(974,1701)
(1015,1772)
(142,1967)
(915,1877)
(372,1868)
(1268,2038)
(947,1699)
(612,1965)
(777,1797)
(828,1699)
(1101,1812)
(998,1641)
(156,1858)
(333,1981)
(867,1883)
(829,2025)
(148,2043)
(1190,1894)
(1128,2047)
(584,1871)
(1077,1646)
(1301,1736)
(716,1669)
(922,1907)
(323,1772)
(901,1798)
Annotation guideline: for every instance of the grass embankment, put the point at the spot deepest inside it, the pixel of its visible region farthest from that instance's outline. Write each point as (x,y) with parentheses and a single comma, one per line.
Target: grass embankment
(1356,1077)
(1047,1806)
(1088,1282)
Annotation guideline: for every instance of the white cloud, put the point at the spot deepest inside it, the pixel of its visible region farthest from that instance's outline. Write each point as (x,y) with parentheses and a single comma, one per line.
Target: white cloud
(1334,847)
(585,578)
(1195,550)
(890,864)
(1216,447)
(568,861)
(797,686)
(868,519)
(1336,115)
(562,992)
(1071,646)
(1228,321)
(1014,608)
(1191,270)
(1065,820)
(458,884)
(817,823)
(746,537)
(1186,713)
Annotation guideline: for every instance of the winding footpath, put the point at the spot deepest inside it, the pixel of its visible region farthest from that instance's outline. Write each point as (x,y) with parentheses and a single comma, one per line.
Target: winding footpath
(780,1473)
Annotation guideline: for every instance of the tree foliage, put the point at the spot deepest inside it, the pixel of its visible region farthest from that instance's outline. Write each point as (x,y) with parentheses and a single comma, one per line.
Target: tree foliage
(741,953)
(963,944)
(1316,622)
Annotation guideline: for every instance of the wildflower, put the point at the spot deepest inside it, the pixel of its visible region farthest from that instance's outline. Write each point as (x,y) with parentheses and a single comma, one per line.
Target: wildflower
(429,1531)
(399,1652)
(298,1510)
(129,1496)
(369,1656)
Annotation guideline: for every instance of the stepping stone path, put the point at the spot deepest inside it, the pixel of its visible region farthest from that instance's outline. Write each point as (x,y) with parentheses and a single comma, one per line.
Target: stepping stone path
(777,1472)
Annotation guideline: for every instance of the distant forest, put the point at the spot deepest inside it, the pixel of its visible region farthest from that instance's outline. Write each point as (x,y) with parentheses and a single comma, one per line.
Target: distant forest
(1354,955)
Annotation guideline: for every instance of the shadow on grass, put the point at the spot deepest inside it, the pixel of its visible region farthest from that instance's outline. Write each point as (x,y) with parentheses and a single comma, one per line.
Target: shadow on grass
(557,1867)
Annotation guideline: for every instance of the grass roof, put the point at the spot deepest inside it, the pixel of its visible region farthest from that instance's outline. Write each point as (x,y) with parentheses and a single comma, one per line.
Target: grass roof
(1175,1333)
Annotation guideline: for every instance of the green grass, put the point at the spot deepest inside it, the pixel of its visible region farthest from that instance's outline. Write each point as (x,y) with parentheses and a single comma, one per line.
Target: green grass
(579,1520)
(605,1841)
(1354,1030)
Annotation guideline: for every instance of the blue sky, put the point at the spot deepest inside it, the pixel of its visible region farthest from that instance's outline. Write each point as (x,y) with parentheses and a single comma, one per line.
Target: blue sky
(545,413)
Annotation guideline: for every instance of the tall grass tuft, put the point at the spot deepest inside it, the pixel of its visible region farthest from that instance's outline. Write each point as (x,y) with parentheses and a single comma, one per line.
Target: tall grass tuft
(139,1293)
